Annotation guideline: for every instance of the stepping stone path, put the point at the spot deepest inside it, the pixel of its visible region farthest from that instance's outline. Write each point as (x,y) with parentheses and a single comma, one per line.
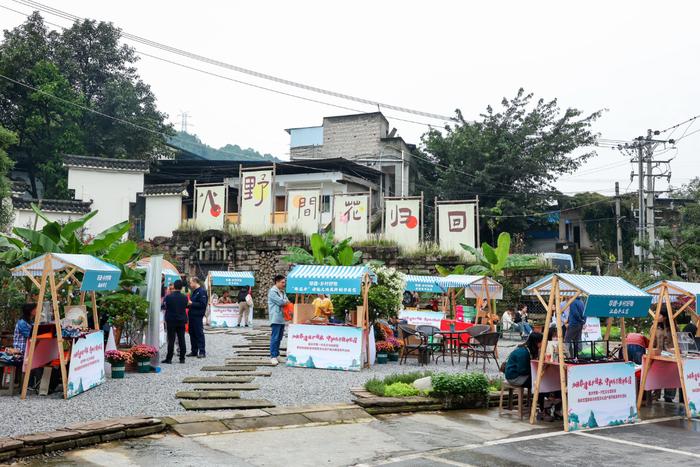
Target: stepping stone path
(222,392)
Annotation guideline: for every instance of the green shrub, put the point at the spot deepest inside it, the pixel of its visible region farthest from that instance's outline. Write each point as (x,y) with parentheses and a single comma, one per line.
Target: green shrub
(460,384)
(495,384)
(407,378)
(375,386)
(379,386)
(400,390)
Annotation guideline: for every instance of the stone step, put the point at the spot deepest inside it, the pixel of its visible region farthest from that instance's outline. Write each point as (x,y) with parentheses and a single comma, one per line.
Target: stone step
(228,368)
(245,373)
(218,379)
(245,363)
(208,395)
(225,404)
(226,387)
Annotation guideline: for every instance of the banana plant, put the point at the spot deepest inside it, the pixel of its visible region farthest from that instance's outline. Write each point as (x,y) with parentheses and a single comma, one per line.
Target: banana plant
(325,251)
(494,261)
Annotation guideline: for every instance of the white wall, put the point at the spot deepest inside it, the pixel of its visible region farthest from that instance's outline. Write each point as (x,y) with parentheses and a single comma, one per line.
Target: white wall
(111,193)
(163,215)
(25,218)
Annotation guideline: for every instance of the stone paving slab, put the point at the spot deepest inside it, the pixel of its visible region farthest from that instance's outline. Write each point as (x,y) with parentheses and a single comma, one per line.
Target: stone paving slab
(309,408)
(244,363)
(222,404)
(218,379)
(187,418)
(208,395)
(267,422)
(334,416)
(245,373)
(226,387)
(228,368)
(200,428)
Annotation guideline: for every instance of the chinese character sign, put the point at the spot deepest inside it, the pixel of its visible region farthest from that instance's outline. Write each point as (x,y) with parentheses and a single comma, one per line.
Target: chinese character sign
(303,210)
(402,221)
(256,200)
(350,216)
(617,307)
(456,224)
(210,210)
(329,347)
(87,364)
(691,375)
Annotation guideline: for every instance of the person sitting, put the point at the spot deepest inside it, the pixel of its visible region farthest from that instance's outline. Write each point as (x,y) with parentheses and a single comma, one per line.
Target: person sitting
(225,298)
(23,328)
(636,347)
(323,308)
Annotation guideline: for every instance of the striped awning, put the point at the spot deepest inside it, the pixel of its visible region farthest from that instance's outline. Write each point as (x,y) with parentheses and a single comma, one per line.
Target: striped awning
(434,284)
(232,278)
(474,285)
(97,274)
(607,296)
(676,289)
(332,280)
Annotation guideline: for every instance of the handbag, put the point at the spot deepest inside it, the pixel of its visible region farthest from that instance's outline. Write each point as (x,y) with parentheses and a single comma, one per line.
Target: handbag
(249,300)
(288,311)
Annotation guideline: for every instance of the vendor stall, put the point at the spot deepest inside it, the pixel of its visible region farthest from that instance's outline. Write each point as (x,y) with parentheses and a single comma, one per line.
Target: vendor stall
(425,284)
(338,347)
(677,368)
(90,274)
(225,315)
(482,288)
(170,272)
(598,390)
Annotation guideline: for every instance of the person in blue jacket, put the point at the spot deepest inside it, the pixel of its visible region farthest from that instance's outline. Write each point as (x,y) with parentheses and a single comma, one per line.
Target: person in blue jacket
(198,308)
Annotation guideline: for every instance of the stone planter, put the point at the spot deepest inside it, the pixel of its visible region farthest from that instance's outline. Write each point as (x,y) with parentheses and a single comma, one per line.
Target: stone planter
(143,365)
(118,370)
(382,358)
(468,401)
(393,356)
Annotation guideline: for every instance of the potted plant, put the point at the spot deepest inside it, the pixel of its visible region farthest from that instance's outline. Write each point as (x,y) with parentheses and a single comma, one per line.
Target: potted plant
(118,360)
(397,345)
(461,390)
(383,349)
(143,354)
(127,312)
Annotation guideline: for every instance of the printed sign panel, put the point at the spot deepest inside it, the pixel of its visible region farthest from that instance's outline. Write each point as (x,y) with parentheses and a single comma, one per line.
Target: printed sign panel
(601,395)
(328,347)
(256,206)
(100,280)
(691,375)
(350,216)
(347,286)
(87,364)
(422,318)
(402,221)
(211,206)
(456,224)
(224,316)
(617,307)
(303,210)
(591,330)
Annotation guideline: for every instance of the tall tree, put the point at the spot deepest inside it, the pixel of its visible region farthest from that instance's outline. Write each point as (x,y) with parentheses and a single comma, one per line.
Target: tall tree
(509,158)
(7,139)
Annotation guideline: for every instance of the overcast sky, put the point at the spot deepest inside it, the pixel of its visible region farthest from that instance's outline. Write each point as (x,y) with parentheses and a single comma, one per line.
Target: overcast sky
(637,59)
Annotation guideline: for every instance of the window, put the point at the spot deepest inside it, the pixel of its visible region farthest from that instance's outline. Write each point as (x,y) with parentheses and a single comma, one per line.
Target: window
(325,203)
(280,203)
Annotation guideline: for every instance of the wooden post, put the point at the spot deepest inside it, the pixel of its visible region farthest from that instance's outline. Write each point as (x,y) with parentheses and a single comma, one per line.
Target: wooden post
(652,339)
(59,334)
(562,364)
(677,354)
(82,298)
(623,338)
(95,315)
(35,328)
(543,350)
(608,327)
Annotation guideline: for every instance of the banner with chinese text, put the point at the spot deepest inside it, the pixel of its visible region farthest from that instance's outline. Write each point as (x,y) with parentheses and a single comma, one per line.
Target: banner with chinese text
(591,330)
(422,318)
(456,224)
(328,347)
(601,394)
(691,375)
(223,316)
(87,363)
(255,211)
(303,210)
(210,210)
(350,216)
(402,221)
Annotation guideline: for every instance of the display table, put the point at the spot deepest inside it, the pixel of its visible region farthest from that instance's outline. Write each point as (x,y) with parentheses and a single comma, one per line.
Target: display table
(332,347)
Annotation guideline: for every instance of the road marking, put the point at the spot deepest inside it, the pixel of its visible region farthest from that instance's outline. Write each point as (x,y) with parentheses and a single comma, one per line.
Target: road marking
(638,445)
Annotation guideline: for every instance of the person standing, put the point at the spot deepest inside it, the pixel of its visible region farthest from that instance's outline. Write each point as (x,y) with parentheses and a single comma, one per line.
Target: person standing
(276,299)
(23,328)
(243,309)
(574,326)
(198,308)
(175,320)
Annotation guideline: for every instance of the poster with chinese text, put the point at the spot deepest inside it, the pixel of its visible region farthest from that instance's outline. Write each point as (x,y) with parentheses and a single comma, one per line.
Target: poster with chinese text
(350,216)
(211,206)
(328,347)
(224,315)
(87,363)
(422,318)
(456,224)
(402,221)
(303,210)
(601,394)
(691,375)
(256,197)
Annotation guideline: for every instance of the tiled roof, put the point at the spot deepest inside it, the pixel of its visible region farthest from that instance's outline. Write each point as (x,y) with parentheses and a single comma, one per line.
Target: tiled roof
(53,205)
(164,189)
(131,165)
(19,187)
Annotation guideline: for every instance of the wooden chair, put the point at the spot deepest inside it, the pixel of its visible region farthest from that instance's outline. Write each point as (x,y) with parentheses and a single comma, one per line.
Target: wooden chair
(520,391)
(410,345)
(483,346)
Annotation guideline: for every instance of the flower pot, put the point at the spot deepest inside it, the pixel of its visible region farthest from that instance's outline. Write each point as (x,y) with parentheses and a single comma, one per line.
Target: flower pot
(118,370)
(382,358)
(394,357)
(143,365)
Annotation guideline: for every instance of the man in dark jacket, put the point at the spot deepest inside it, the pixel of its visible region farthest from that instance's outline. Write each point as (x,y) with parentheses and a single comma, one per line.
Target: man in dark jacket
(198,308)
(175,320)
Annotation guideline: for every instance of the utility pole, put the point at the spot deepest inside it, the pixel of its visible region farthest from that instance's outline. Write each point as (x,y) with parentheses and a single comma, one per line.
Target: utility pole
(183,121)
(619,227)
(642,209)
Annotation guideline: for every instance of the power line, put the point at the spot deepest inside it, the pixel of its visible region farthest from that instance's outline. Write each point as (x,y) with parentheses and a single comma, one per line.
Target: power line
(239,69)
(673,127)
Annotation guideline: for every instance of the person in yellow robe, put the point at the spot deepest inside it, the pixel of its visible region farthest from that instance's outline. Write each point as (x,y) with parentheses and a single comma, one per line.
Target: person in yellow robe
(323,307)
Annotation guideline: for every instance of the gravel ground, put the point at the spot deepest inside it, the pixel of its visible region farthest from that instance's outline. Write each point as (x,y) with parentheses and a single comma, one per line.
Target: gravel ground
(154,394)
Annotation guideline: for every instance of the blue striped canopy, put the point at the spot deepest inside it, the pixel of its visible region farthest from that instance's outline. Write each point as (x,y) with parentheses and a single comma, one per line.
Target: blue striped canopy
(97,274)
(692,288)
(474,285)
(607,296)
(232,278)
(434,284)
(332,280)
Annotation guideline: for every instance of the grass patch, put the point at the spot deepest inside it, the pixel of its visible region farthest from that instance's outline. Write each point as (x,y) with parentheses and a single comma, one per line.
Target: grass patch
(426,249)
(396,383)
(375,240)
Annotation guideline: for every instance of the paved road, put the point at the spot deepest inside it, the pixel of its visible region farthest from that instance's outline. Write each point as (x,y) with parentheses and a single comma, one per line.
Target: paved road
(455,438)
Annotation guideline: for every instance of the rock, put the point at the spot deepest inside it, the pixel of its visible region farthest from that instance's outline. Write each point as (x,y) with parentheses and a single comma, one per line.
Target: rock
(424,384)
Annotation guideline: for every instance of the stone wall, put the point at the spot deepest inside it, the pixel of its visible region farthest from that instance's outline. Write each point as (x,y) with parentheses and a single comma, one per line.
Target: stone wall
(197,253)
